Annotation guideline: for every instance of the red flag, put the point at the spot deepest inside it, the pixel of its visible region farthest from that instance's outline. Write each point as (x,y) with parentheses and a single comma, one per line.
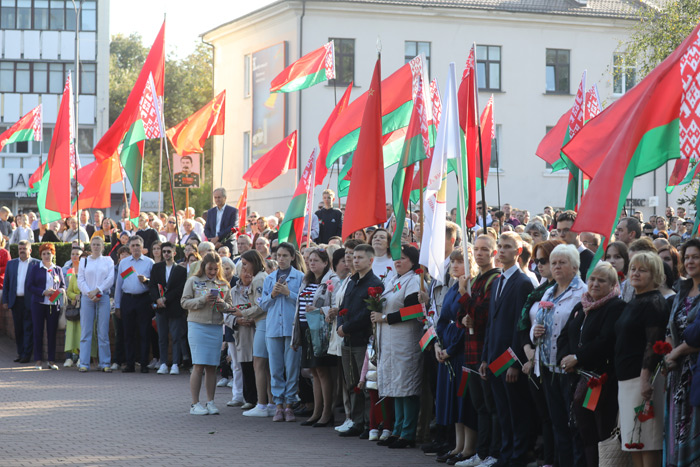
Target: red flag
(97,178)
(274,163)
(154,65)
(37,175)
(189,135)
(324,135)
(467,121)
(549,148)
(61,158)
(369,163)
(488,134)
(242,207)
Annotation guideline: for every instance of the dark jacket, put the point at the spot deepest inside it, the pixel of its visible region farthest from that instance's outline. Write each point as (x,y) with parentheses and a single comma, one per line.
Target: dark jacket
(504,315)
(49,236)
(585,259)
(149,236)
(172,289)
(9,293)
(692,338)
(229,219)
(592,337)
(357,325)
(36,281)
(330,224)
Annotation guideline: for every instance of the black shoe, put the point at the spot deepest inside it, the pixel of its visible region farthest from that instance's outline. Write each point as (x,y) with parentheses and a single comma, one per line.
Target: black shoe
(403,443)
(128,369)
(388,441)
(351,433)
(436,447)
(309,422)
(303,412)
(17,359)
(454,459)
(24,360)
(144,369)
(365,434)
(330,422)
(442,458)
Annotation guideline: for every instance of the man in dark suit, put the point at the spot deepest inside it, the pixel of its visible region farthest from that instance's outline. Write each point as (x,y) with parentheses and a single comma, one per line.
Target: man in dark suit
(166,286)
(564,223)
(85,222)
(221,218)
(510,391)
(16,296)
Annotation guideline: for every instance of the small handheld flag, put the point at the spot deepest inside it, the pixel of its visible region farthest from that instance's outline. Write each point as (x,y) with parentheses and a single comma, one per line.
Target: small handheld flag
(503,362)
(53,298)
(592,397)
(161,291)
(412,312)
(128,272)
(70,271)
(463,383)
(427,338)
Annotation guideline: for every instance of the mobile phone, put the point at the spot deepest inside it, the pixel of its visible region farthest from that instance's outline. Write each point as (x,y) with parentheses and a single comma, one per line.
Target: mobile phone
(214,292)
(282,279)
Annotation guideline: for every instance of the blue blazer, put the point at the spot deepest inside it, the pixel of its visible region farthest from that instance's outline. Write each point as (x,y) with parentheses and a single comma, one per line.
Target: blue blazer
(691,335)
(9,293)
(504,314)
(228,221)
(36,282)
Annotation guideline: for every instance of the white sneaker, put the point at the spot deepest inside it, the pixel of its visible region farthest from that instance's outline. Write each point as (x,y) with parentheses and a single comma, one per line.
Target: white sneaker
(68,363)
(473,461)
(271,410)
(257,411)
(115,366)
(163,370)
(197,409)
(222,383)
(234,403)
(230,383)
(211,408)
(373,435)
(347,424)
(488,462)
(174,370)
(153,364)
(385,435)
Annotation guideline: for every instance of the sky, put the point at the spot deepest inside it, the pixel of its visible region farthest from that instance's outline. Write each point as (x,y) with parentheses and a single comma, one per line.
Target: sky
(183,27)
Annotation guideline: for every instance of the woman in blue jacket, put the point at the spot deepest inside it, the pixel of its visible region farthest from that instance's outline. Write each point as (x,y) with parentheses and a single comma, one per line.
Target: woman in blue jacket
(279,300)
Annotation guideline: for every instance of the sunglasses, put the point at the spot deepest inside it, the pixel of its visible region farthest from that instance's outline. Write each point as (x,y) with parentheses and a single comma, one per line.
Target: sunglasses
(171,222)
(542,261)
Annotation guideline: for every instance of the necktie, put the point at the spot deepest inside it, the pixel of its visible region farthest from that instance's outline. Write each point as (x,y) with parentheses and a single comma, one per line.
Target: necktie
(500,287)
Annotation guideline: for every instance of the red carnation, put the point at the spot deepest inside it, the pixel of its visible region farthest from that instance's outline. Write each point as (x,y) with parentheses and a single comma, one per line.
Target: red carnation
(419,271)
(662,348)
(603,378)
(593,382)
(628,445)
(343,312)
(357,390)
(431,313)
(620,276)
(375,291)
(640,445)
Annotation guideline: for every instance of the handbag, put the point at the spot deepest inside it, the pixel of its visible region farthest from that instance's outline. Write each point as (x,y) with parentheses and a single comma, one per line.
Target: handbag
(319,332)
(72,312)
(610,453)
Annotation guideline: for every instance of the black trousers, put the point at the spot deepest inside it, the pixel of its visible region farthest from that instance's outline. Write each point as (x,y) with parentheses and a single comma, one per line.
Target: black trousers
(250,392)
(136,314)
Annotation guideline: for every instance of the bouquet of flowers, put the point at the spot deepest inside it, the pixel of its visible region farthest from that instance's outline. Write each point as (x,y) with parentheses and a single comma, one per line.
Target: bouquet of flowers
(662,348)
(375,301)
(228,236)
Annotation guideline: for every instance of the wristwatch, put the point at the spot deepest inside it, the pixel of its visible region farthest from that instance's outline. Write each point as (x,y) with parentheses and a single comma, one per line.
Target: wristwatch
(384,318)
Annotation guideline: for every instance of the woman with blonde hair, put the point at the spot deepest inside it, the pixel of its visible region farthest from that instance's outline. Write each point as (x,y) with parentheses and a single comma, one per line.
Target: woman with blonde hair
(206,296)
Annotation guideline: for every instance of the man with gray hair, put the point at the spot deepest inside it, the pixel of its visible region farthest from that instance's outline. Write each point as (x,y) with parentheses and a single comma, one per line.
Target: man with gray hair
(537,231)
(221,218)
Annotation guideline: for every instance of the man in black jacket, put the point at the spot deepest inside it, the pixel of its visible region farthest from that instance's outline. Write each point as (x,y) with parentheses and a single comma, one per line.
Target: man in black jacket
(166,286)
(355,327)
(146,232)
(564,223)
(330,219)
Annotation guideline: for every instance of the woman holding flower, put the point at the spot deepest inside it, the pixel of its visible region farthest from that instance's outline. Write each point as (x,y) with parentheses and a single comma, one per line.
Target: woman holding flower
(554,310)
(317,289)
(383,265)
(682,420)
(586,346)
(400,360)
(640,325)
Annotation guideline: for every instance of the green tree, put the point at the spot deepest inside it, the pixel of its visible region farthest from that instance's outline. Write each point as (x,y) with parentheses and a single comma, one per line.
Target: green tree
(188,87)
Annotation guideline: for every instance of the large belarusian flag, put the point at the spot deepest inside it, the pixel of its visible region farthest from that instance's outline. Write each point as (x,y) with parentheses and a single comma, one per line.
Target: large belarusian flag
(313,68)
(436,108)
(27,128)
(645,128)
(292,227)
(324,134)
(415,148)
(468,115)
(576,122)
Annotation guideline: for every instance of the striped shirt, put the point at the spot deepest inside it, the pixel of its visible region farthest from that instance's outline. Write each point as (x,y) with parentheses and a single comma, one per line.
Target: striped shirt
(306,297)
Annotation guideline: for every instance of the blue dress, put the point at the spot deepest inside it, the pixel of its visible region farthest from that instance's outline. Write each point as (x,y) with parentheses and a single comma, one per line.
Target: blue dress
(449,408)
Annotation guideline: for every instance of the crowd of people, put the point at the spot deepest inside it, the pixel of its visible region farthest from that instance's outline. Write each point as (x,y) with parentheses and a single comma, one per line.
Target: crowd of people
(523,349)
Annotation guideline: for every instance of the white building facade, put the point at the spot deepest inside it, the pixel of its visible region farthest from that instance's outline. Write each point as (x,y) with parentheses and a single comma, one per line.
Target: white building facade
(37,50)
(531,59)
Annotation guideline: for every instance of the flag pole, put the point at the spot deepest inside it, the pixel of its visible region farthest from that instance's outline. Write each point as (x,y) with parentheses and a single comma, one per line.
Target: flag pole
(484,206)
(160,172)
(420,193)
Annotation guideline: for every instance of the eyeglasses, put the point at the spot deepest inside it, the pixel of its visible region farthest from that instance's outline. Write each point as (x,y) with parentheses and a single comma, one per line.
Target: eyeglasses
(171,222)
(542,261)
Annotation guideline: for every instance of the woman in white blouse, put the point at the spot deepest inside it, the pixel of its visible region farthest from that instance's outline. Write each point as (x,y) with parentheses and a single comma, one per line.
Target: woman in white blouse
(95,278)
(23,231)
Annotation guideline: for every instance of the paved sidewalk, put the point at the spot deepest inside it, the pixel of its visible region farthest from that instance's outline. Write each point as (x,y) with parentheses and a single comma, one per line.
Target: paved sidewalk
(93,419)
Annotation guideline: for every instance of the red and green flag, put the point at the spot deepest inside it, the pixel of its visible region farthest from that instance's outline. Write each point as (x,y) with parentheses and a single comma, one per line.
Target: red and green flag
(502,363)
(416,148)
(27,128)
(313,68)
(427,338)
(590,402)
(436,113)
(412,312)
(53,298)
(463,383)
(323,136)
(576,122)
(127,272)
(292,228)
(468,114)
(642,130)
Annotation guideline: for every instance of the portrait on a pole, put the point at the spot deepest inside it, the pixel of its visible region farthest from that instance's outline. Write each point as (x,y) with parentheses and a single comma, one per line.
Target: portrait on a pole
(187,170)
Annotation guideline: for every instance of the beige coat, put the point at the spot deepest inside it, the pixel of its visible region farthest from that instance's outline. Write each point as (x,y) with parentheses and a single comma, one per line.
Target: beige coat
(247,295)
(194,300)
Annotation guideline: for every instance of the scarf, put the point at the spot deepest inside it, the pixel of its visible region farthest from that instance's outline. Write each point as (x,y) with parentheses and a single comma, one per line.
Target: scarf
(590,304)
(534,297)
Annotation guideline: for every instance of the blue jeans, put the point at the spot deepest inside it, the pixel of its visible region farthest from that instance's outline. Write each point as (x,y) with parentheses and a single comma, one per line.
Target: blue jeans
(89,312)
(283,361)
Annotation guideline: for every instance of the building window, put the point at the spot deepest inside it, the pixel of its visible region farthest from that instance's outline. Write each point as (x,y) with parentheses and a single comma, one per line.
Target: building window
(85,140)
(415,48)
(624,73)
(246,151)
(22,77)
(246,76)
(557,71)
(344,61)
(88,20)
(7,77)
(7,14)
(488,67)
(40,80)
(88,78)
(42,77)
(24,14)
(41,14)
(495,145)
(57,15)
